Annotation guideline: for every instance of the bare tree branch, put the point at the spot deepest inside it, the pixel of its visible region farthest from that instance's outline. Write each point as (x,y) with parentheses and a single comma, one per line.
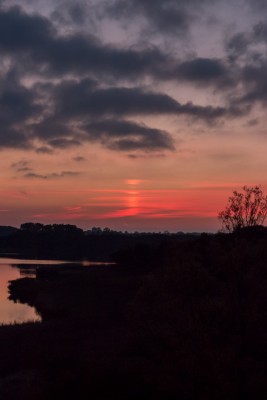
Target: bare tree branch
(244,209)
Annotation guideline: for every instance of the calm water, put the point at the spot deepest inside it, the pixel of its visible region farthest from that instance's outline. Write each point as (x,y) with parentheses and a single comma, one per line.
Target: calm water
(11,312)
(14,268)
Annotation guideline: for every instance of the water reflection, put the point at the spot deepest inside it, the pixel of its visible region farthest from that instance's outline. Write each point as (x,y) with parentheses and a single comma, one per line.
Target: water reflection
(28,272)
(11,269)
(15,268)
(11,312)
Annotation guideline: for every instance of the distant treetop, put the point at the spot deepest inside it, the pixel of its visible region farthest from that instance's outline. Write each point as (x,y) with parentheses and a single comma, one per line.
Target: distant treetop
(244,209)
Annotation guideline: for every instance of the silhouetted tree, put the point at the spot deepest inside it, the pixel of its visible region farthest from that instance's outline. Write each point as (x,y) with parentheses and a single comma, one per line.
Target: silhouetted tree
(31,227)
(245,209)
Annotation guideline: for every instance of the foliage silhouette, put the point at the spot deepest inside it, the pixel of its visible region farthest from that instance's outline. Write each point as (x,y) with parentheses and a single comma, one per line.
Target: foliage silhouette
(244,209)
(64,241)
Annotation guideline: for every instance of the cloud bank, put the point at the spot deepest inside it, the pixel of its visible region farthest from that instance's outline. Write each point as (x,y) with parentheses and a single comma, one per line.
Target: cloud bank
(64,87)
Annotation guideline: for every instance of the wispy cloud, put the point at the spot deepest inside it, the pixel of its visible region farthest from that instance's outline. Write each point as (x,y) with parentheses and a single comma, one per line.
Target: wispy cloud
(52,175)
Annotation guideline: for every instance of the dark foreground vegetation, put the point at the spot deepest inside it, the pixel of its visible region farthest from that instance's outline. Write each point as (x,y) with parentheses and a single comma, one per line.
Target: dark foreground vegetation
(65,241)
(180,319)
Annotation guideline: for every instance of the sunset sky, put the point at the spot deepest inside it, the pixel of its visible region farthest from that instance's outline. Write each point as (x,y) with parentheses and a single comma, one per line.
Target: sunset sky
(132,114)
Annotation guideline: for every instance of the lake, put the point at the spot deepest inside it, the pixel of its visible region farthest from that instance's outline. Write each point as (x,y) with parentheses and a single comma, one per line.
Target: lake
(11,269)
(15,268)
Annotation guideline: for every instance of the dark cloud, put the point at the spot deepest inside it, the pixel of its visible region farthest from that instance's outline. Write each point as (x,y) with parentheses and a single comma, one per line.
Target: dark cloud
(40,44)
(145,156)
(257,5)
(81,54)
(24,166)
(69,12)
(238,44)
(17,108)
(247,50)
(167,16)
(16,103)
(252,66)
(163,17)
(207,113)
(253,122)
(241,43)
(78,100)
(44,150)
(77,13)
(35,38)
(254,78)
(64,143)
(83,112)
(23,169)
(14,139)
(22,32)
(53,175)
(69,173)
(203,70)
(73,104)
(127,135)
(260,31)
(81,92)
(21,166)
(34,175)
(50,128)
(79,159)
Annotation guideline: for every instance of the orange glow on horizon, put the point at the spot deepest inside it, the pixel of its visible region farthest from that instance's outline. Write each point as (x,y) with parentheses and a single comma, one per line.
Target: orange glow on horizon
(116,202)
(142,204)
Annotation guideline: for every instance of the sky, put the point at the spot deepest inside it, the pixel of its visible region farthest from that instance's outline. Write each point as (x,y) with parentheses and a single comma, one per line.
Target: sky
(137,115)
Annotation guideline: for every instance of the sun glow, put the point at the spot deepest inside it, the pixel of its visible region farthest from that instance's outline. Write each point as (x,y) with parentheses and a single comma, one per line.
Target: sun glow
(133,182)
